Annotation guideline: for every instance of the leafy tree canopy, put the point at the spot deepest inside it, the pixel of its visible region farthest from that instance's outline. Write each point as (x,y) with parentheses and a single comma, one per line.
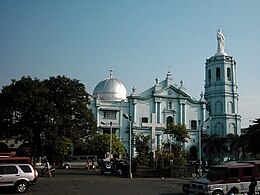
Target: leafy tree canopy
(142,147)
(53,113)
(177,155)
(251,139)
(100,145)
(179,132)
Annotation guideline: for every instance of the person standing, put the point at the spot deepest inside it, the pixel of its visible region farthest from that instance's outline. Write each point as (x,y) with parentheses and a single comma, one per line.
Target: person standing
(48,167)
(252,186)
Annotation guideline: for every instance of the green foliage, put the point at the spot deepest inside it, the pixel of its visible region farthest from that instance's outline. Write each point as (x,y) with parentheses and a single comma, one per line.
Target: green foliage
(50,114)
(63,147)
(250,141)
(100,145)
(178,131)
(142,147)
(74,119)
(177,155)
(216,147)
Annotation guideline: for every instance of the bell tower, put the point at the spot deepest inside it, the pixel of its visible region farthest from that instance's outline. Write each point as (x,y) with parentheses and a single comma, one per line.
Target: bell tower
(221,91)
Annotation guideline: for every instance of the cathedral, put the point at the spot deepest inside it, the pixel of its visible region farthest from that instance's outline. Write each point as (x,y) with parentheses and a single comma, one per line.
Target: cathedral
(149,112)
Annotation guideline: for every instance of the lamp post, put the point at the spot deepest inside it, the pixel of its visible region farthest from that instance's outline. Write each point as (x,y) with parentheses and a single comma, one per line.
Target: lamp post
(130,144)
(199,133)
(201,124)
(110,144)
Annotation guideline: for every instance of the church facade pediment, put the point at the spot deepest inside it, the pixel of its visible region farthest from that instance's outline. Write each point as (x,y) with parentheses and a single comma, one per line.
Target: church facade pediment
(172,92)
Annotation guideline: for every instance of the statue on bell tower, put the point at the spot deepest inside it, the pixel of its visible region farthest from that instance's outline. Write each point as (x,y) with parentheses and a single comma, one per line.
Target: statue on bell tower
(221,42)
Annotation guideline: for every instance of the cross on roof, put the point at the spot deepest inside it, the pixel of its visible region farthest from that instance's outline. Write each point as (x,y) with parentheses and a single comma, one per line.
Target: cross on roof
(110,73)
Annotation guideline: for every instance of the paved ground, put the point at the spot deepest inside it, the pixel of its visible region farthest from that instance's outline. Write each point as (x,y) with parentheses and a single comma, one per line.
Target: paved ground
(79,182)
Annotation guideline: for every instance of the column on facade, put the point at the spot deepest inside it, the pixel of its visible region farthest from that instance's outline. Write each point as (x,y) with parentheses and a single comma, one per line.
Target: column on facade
(180,115)
(134,112)
(158,112)
(120,123)
(183,114)
(98,108)
(203,114)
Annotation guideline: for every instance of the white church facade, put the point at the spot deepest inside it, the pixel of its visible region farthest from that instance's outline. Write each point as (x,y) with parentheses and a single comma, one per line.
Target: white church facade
(216,112)
(150,111)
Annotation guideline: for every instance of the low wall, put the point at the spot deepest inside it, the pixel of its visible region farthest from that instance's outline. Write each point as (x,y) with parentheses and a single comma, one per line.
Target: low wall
(172,171)
(182,171)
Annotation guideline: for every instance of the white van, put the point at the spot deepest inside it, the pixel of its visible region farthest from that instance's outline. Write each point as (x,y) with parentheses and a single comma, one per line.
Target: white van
(222,179)
(80,161)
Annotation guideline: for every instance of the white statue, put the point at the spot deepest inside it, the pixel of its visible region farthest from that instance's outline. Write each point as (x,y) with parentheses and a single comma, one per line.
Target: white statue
(221,41)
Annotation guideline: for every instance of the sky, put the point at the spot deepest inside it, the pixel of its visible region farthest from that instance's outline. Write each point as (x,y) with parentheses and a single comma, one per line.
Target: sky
(139,39)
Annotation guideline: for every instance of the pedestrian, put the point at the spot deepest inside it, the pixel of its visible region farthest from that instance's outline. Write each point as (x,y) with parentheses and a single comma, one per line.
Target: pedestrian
(252,186)
(87,164)
(47,165)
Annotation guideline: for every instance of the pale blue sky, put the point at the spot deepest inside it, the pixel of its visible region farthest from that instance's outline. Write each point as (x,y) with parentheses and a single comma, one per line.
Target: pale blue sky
(139,39)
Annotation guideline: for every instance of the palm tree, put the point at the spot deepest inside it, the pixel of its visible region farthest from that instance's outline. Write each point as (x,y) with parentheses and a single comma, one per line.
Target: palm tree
(232,146)
(215,147)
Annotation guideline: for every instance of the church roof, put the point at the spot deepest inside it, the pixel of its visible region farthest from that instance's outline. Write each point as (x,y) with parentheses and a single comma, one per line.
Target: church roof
(110,89)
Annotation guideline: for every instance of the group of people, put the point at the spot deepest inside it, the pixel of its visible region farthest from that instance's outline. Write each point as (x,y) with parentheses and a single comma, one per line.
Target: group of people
(90,164)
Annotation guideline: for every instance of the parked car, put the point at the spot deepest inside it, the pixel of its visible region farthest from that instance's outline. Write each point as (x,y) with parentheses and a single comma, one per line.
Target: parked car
(226,178)
(80,162)
(19,176)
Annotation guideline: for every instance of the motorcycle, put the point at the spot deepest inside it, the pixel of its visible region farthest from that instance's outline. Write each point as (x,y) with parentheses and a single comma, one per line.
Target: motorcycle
(45,172)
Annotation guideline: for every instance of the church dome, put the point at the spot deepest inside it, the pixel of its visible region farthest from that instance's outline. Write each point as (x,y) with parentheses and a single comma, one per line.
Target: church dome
(110,89)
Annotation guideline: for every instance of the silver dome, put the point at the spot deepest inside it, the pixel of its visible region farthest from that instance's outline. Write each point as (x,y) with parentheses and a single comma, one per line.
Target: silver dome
(110,89)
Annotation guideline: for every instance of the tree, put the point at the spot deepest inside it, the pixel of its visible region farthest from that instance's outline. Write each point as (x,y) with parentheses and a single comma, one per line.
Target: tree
(178,131)
(142,147)
(72,117)
(177,154)
(250,140)
(22,105)
(215,148)
(232,142)
(100,145)
(56,108)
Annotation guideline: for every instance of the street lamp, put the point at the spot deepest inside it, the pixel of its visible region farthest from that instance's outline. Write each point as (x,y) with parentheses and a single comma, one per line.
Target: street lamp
(201,124)
(110,145)
(130,146)
(199,132)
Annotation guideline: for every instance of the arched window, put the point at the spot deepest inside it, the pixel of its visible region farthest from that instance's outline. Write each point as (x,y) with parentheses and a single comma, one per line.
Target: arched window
(228,74)
(230,107)
(169,105)
(218,107)
(209,75)
(169,120)
(144,120)
(218,74)
(232,128)
(208,107)
(193,153)
(218,129)
(193,124)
